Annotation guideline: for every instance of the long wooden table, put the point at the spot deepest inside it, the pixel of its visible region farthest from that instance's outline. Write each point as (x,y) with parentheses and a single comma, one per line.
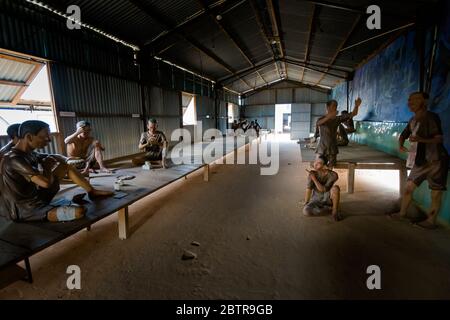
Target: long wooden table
(358,156)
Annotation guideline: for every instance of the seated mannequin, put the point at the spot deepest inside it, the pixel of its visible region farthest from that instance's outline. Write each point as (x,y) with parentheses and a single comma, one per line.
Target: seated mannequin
(30,180)
(154,143)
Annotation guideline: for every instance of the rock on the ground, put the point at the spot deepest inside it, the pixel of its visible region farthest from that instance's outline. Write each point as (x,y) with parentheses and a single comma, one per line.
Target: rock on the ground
(188,255)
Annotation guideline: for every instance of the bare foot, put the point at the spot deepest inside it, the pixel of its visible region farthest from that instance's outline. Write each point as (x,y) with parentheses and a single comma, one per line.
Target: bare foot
(95,193)
(105,170)
(336,216)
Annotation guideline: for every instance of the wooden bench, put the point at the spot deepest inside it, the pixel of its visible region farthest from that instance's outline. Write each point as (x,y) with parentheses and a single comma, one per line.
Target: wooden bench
(357,156)
(19,241)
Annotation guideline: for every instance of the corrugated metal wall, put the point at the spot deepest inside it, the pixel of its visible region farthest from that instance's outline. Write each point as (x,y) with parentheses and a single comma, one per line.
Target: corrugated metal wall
(300,120)
(317,110)
(286,95)
(261,106)
(261,98)
(265,115)
(223,117)
(105,101)
(165,106)
(119,135)
(205,112)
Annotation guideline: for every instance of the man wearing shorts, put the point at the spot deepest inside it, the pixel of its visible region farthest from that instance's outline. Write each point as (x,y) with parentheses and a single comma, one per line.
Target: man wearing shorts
(30,180)
(328,126)
(322,196)
(84,151)
(431,161)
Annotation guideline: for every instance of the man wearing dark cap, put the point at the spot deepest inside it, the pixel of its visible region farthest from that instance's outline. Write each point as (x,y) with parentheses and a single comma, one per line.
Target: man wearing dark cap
(431,161)
(13,134)
(30,180)
(154,143)
(85,152)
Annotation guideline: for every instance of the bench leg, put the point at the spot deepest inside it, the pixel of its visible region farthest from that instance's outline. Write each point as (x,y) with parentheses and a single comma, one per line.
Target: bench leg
(206,172)
(351,178)
(123,223)
(29,277)
(403,176)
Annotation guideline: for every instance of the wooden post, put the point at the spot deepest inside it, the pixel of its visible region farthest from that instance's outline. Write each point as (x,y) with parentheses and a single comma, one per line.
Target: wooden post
(351,177)
(29,277)
(206,172)
(403,176)
(60,142)
(123,223)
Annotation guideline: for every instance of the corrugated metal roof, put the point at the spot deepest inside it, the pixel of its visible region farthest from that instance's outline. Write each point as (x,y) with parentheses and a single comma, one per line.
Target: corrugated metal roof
(121,18)
(14,70)
(128,20)
(7,93)
(176,10)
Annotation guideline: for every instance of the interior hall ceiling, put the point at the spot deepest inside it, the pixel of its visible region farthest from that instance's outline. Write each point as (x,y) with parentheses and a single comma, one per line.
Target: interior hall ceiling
(247,44)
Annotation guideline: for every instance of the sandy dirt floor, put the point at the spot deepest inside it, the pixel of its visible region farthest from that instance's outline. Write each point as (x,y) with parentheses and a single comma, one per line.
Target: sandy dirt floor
(254,244)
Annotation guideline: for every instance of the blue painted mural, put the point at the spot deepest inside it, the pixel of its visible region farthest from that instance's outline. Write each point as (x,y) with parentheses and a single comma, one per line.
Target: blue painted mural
(386,81)
(339,93)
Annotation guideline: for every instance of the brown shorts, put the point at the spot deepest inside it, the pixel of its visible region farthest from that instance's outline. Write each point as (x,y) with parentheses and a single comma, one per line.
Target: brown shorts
(89,161)
(434,172)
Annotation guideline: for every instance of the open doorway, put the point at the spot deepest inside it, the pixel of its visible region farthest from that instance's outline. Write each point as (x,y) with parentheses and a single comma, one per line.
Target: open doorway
(282,118)
(24,91)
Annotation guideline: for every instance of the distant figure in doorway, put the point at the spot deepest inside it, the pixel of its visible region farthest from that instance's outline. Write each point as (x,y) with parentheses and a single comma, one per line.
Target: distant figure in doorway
(257,127)
(13,134)
(154,143)
(328,126)
(84,151)
(322,196)
(431,159)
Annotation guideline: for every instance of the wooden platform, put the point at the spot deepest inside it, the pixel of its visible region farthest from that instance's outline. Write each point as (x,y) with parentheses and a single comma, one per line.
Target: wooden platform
(19,241)
(358,156)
